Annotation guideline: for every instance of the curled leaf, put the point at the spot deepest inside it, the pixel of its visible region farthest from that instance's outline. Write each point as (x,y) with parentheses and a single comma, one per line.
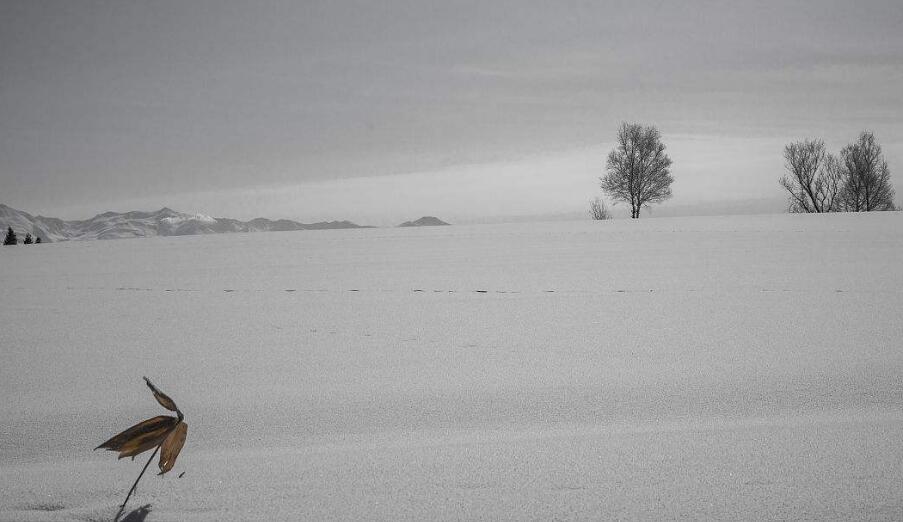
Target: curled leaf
(141,437)
(172,446)
(161,397)
(146,442)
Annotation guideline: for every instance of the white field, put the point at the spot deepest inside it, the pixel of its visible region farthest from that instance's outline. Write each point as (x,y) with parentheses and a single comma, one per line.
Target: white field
(699,368)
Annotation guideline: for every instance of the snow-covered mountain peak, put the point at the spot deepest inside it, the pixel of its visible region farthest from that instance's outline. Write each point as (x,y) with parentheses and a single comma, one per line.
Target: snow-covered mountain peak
(163,222)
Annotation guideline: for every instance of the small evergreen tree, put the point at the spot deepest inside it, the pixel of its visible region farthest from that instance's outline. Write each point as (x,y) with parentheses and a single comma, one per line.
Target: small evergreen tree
(28,239)
(38,240)
(10,237)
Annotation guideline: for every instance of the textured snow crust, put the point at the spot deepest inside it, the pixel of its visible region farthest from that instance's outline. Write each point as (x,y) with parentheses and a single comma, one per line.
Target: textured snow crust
(700,368)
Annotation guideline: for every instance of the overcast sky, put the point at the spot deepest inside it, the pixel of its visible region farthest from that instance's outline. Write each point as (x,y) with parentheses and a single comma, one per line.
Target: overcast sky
(384,111)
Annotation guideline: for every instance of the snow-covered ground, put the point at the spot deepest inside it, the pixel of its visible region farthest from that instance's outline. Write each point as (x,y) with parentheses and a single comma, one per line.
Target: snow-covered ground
(720,367)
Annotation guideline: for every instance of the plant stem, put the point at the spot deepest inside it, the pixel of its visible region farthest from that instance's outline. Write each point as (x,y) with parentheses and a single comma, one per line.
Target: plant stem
(135,485)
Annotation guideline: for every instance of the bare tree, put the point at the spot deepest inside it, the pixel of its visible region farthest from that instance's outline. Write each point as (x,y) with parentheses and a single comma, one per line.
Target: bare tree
(638,168)
(597,210)
(866,176)
(815,180)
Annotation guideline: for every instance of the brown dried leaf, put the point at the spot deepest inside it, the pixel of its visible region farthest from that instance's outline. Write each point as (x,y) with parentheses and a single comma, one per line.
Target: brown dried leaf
(161,397)
(172,446)
(143,431)
(145,442)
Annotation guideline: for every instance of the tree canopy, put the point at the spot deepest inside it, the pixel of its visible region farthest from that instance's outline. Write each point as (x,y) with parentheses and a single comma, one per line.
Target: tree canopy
(638,169)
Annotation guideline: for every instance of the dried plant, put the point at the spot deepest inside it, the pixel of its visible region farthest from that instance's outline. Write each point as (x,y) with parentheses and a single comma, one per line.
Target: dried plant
(162,433)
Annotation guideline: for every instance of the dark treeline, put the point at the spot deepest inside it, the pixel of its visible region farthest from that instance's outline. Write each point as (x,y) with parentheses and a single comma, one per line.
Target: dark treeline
(12,239)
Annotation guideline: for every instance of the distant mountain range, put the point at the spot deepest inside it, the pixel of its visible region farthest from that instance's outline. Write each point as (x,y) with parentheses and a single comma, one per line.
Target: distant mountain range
(163,222)
(425,221)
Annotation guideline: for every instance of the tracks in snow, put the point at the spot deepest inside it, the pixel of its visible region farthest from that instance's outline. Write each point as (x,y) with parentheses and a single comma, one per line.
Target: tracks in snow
(478,291)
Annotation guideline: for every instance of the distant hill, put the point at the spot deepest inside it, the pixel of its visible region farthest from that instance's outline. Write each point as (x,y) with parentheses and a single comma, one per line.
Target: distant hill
(425,221)
(163,222)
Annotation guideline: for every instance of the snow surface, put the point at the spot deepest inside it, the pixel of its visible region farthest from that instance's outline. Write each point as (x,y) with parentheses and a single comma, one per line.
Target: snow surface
(714,368)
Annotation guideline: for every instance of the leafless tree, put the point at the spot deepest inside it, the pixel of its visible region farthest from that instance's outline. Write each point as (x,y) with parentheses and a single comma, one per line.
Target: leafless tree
(638,168)
(597,210)
(815,180)
(866,176)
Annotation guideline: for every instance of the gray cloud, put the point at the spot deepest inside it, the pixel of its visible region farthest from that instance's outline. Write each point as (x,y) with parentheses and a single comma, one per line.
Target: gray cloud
(104,101)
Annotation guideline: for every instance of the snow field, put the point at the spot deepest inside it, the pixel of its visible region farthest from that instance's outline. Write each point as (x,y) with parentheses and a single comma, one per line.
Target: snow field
(742,367)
